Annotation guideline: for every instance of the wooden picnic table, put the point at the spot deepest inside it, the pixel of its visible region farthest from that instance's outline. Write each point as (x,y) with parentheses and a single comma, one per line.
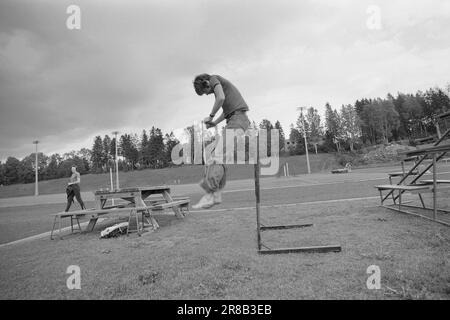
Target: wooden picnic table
(134,203)
(135,197)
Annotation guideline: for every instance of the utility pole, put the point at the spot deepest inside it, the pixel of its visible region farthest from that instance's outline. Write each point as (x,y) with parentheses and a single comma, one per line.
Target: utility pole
(36,164)
(304,136)
(115,133)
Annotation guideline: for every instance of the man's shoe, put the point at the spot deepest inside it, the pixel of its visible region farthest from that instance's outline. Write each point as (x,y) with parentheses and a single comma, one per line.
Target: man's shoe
(207,201)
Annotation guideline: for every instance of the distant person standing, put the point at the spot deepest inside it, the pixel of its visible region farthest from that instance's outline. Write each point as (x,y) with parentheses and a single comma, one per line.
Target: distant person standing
(73,189)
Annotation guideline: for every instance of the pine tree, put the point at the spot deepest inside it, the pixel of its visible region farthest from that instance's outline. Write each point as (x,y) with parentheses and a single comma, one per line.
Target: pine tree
(296,138)
(333,126)
(107,157)
(2,174)
(350,125)
(143,150)
(282,137)
(267,125)
(169,143)
(128,146)
(315,130)
(11,171)
(97,155)
(156,148)
(51,171)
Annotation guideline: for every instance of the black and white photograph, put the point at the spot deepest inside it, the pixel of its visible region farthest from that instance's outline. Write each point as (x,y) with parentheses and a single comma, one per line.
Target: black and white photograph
(223,155)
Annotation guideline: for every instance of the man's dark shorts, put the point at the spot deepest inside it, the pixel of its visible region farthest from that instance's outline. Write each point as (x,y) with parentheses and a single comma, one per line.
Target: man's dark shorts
(215,174)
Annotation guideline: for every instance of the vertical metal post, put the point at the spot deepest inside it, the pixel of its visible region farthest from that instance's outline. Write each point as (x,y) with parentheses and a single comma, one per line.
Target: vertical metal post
(203,145)
(112,184)
(306,142)
(306,149)
(257,194)
(117,160)
(306,146)
(434,188)
(438,130)
(36,184)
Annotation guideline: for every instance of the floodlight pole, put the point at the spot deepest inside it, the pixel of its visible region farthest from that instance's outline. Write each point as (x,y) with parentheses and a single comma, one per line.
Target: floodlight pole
(36,187)
(306,142)
(115,133)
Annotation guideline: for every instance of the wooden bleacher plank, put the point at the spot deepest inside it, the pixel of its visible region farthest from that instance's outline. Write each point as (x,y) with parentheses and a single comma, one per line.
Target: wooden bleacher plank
(399,174)
(429,150)
(402,187)
(437,181)
(408,159)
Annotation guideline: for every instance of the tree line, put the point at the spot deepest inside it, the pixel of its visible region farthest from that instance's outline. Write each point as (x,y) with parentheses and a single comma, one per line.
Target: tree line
(368,122)
(151,149)
(349,128)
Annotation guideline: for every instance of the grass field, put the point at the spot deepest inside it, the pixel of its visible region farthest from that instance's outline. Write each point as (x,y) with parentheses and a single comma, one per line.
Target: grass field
(212,254)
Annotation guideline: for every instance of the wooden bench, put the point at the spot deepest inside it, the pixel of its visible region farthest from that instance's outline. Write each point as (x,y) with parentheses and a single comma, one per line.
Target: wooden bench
(161,205)
(401,189)
(185,201)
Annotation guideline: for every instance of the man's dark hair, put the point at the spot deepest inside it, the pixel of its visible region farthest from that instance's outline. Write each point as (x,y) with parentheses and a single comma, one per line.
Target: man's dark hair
(200,82)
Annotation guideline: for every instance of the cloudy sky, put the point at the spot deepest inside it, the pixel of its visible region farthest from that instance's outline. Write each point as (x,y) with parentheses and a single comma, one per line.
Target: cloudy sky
(132,63)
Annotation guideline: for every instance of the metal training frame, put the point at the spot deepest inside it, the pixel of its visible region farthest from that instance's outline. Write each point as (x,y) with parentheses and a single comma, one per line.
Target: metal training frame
(260,227)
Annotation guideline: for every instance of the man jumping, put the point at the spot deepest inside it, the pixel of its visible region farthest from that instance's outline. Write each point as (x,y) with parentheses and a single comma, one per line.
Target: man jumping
(234,108)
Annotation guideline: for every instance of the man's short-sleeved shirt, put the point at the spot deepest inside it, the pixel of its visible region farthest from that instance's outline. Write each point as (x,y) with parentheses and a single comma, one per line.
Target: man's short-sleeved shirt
(233,98)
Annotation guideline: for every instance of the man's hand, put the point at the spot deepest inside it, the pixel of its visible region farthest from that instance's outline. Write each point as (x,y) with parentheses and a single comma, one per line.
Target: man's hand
(208,119)
(210,124)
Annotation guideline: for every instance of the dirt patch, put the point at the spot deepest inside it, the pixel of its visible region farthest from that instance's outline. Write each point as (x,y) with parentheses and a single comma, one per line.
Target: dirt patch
(385,153)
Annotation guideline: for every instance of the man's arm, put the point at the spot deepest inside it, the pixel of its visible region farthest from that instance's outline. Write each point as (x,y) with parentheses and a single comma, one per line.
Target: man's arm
(211,124)
(220,98)
(219,119)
